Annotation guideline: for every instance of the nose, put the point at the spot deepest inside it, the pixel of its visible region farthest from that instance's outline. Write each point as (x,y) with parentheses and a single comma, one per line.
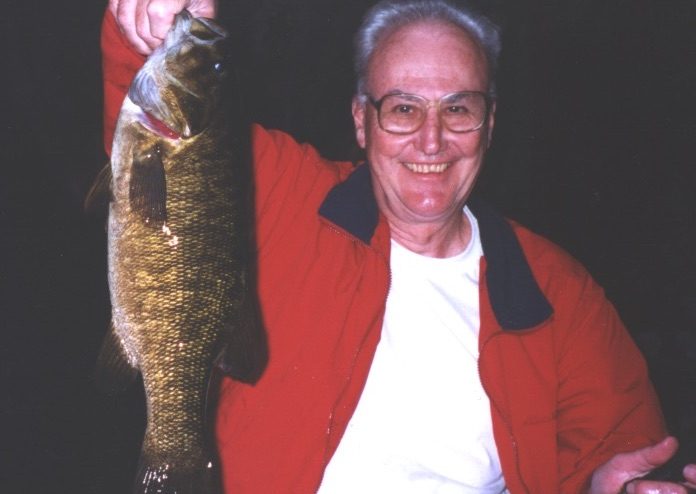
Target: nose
(430,134)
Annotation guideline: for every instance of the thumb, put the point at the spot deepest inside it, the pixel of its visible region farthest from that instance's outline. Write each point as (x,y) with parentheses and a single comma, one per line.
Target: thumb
(624,467)
(202,8)
(160,14)
(643,461)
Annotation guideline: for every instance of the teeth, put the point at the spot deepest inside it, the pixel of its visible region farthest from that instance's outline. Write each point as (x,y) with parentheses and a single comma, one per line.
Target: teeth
(427,168)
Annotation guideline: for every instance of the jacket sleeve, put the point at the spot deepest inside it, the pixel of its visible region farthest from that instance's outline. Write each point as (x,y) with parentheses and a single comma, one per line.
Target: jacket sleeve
(573,391)
(120,62)
(606,402)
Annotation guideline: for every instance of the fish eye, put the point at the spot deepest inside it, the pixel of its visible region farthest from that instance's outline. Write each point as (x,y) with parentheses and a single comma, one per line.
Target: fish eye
(218,67)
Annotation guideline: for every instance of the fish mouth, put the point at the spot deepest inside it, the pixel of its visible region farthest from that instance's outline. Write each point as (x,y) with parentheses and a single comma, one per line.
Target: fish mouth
(172,106)
(152,112)
(428,167)
(160,128)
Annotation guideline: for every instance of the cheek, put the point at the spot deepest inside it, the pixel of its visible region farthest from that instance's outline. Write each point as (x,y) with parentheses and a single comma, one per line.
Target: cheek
(383,145)
(472,146)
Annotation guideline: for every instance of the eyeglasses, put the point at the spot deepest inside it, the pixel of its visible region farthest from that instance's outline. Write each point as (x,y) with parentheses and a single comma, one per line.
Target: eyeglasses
(402,113)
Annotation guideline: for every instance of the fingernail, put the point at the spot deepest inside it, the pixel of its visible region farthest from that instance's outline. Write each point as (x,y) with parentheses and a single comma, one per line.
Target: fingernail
(690,470)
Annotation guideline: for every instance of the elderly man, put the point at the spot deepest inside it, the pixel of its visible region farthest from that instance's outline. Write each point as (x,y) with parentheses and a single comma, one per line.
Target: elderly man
(419,342)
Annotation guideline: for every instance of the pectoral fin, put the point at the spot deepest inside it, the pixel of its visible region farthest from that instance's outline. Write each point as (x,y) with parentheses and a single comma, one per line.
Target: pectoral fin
(114,372)
(148,187)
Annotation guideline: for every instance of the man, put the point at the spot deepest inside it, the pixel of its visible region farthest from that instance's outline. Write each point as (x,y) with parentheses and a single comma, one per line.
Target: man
(419,342)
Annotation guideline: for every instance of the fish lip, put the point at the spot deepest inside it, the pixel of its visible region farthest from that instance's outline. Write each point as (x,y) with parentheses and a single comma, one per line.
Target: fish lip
(149,114)
(157,126)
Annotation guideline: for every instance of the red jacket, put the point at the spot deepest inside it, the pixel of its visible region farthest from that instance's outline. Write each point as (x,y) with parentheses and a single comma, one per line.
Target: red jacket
(568,387)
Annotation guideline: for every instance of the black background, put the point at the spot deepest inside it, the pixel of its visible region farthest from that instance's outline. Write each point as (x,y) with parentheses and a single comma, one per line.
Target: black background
(593,147)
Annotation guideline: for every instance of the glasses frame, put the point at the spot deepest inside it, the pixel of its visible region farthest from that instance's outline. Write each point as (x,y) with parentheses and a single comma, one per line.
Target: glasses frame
(428,104)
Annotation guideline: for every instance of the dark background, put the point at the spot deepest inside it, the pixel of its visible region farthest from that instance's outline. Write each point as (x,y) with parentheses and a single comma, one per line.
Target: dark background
(593,147)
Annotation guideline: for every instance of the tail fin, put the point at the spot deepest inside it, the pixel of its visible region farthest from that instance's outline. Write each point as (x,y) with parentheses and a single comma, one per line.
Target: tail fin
(176,477)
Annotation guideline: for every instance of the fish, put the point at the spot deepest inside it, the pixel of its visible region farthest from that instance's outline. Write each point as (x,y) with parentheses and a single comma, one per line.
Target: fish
(181,253)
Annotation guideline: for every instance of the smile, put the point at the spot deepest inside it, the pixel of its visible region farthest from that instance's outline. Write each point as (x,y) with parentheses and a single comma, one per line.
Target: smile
(427,168)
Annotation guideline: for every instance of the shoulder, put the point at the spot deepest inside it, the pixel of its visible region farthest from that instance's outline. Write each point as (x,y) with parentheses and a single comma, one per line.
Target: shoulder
(565,282)
(543,254)
(584,321)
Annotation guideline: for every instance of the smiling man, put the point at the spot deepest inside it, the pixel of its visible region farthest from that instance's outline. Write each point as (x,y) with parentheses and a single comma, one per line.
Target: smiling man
(419,342)
(427,133)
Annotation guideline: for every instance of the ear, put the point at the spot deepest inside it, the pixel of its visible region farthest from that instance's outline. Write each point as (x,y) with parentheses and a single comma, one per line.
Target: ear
(358,110)
(491,123)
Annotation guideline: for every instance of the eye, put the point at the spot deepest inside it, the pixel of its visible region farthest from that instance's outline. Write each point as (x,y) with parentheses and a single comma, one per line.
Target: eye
(456,109)
(218,67)
(403,109)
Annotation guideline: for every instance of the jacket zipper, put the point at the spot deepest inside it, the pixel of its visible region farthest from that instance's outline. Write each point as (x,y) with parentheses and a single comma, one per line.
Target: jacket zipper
(330,427)
(508,426)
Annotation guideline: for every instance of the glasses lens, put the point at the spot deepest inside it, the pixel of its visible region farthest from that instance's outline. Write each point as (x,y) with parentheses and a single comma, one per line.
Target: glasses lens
(459,112)
(402,113)
(463,112)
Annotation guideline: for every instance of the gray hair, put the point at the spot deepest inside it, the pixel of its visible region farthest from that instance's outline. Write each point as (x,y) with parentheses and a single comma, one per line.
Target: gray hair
(388,15)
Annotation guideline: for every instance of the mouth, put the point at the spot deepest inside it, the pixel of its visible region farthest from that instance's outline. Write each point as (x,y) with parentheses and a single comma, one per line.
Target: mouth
(428,167)
(159,127)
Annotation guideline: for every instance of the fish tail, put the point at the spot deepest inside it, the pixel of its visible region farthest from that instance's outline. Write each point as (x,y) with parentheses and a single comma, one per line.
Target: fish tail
(176,477)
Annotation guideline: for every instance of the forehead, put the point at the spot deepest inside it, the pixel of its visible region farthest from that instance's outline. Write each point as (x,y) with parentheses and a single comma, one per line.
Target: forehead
(429,58)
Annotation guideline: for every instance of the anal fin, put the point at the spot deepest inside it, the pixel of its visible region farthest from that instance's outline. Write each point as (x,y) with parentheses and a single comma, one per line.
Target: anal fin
(245,348)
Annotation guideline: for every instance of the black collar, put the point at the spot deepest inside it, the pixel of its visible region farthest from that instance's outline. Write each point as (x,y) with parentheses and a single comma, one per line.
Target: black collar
(516,299)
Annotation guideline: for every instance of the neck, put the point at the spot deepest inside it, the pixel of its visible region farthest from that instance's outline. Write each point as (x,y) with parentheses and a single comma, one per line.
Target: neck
(433,239)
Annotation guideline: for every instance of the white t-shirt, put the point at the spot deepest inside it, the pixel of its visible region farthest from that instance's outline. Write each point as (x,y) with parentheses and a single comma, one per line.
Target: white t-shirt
(423,422)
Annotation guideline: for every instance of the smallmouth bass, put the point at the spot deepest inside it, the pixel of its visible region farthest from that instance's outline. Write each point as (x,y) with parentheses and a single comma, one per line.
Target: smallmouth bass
(181,260)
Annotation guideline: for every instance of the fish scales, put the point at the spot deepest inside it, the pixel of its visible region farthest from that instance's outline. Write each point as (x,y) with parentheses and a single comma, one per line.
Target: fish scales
(186,285)
(180,252)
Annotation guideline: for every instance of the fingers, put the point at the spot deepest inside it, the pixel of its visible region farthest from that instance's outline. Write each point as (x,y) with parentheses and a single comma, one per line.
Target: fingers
(126,14)
(655,487)
(159,17)
(690,475)
(145,23)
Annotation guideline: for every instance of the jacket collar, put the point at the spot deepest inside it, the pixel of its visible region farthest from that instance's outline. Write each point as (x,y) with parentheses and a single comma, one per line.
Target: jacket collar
(516,299)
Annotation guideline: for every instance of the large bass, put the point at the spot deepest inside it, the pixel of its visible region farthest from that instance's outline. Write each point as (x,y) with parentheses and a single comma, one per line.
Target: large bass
(180,251)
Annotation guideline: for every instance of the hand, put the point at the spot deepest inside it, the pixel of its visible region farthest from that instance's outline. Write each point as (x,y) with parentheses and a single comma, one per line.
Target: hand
(624,470)
(145,22)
